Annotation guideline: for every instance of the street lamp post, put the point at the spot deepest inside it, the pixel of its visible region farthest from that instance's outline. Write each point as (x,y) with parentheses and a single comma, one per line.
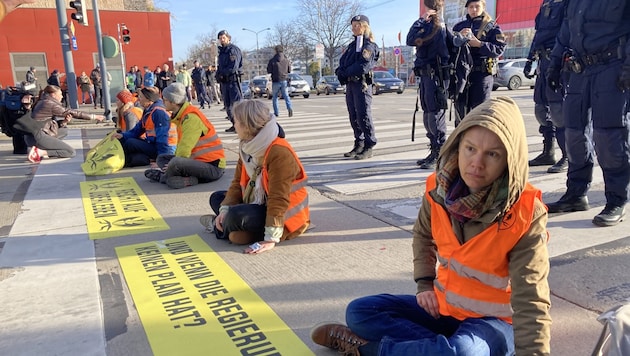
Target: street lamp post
(256,57)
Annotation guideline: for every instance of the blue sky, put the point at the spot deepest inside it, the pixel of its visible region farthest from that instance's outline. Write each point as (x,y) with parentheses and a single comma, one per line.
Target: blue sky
(192,18)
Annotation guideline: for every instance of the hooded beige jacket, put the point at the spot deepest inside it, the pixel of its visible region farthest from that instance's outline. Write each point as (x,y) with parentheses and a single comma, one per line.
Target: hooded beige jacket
(529,259)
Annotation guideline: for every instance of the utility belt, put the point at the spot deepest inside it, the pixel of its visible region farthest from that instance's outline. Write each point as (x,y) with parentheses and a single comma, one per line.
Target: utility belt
(365,78)
(543,53)
(577,64)
(228,78)
(427,70)
(488,65)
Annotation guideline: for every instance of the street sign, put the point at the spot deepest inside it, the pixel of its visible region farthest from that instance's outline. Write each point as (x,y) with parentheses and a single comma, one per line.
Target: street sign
(397,51)
(74,43)
(319,51)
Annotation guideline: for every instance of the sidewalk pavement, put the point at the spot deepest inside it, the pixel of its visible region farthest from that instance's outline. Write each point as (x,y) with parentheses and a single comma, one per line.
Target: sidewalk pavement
(64,294)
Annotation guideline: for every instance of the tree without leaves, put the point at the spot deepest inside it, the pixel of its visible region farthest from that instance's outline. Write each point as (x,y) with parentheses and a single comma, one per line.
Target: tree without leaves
(328,22)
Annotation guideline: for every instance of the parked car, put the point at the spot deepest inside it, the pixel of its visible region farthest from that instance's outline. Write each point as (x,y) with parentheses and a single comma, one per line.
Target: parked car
(385,82)
(298,86)
(329,84)
(260,87)
(247,93)
(510,74)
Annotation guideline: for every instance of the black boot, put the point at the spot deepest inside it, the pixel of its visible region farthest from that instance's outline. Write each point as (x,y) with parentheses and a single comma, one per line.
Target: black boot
(429,157)
(561,166)
(547,157)
(358,147)
(365,153)
(431,160)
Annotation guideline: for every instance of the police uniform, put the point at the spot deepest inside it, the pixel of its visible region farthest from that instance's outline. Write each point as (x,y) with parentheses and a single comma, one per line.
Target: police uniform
(548,103)
(229,71)
(597,96)
(480,80)
(355,68)
(198,76)
(430,66)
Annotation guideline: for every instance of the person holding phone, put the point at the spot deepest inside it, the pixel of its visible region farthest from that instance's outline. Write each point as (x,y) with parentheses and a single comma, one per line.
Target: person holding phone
(267,201)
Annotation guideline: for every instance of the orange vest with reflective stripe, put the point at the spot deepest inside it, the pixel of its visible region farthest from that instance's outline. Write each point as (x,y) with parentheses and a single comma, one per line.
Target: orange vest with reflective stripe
(122,123)
(209,147)
(298,213)
(149,127)
(473,279)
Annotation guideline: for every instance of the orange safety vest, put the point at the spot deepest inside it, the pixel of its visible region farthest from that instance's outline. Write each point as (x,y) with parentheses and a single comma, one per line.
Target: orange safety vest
(298,213)
(122,124)
(473,279)
(149,126)
(209,147)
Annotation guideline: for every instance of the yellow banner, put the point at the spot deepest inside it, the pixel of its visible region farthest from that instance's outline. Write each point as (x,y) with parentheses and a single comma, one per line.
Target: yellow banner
(105,158)
(118,207)
(192,303)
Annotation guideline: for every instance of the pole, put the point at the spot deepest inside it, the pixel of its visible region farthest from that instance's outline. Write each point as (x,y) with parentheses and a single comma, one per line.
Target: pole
(256,56)
(68,61)
(122,56)
(101,59)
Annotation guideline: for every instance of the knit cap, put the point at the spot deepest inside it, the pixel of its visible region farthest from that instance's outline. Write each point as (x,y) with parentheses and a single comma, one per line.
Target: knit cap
(125,96)
(175,93)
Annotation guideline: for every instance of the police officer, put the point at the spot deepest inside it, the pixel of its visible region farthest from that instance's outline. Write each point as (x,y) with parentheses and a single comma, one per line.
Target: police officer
(481,40)
(597,96)
(229,73)
(355,68)
(548,103)
(428,35)
(198,76)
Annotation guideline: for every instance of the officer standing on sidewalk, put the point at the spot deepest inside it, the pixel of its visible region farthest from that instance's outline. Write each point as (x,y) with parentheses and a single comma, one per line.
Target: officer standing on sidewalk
(355,70)
(598,96)
(428,35)
(548,103)
(229,73)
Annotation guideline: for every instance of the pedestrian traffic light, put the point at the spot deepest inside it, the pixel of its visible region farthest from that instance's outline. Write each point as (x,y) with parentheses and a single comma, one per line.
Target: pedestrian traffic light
(81,12)
(125,34)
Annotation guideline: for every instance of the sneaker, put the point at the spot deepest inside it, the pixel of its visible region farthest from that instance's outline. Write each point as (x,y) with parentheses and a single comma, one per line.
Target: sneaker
(337,337)
(154,174)
(230,129)
(366,153)
(610,216)
(355,150)
(179,182)
(561,166)
(207,221)
(34,156)
(569,203)
(290,112)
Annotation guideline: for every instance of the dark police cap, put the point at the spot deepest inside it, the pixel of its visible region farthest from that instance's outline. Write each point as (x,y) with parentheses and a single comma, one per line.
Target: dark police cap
(360,18)
(223,32)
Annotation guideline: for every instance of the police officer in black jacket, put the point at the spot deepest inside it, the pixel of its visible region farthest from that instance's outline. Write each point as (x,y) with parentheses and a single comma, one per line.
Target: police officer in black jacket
(355,68)
(229,73)
(598,96)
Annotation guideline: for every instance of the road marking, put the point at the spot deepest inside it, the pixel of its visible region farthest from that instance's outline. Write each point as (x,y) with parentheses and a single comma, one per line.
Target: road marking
(192,303)
(118,207)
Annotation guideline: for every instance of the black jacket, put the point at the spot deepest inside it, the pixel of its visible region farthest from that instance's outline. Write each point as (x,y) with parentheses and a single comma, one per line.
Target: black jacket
(279,67)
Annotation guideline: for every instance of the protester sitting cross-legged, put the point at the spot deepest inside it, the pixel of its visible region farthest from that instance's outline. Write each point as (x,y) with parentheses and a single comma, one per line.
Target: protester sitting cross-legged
(45,141)
(199,157)
(479,252)
(153,135)
(267,201)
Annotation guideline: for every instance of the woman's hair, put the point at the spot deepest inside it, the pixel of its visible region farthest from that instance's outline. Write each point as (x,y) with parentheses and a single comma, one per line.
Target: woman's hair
(252,115)
(367,31)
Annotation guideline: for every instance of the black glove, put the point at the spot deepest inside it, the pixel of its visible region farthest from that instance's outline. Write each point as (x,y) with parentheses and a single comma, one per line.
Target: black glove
(624,78)
(553,78)
(528,69)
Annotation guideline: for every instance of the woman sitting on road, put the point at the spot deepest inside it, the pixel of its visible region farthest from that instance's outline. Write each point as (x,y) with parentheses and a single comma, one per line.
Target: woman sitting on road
(127,112)
(53,117)
(267,201)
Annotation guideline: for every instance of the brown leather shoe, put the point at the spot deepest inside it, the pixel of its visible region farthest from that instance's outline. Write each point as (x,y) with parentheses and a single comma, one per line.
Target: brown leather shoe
(337,337)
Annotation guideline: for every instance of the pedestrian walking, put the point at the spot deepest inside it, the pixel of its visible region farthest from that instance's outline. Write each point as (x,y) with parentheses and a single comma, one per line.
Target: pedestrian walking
(279,67)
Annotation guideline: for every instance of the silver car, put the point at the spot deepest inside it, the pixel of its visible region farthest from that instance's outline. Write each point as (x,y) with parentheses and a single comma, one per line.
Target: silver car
(510,74)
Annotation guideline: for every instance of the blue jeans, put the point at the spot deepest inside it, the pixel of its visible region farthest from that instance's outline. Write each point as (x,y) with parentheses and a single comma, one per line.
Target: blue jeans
(401,327)
(280,87)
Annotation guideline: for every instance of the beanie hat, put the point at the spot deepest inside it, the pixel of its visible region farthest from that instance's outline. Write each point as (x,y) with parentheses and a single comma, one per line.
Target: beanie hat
(175,93)
(469,1)
(151,93)
(360,18)
(125,96)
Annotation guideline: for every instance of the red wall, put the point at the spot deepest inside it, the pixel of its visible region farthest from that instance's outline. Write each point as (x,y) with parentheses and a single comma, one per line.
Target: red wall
(37,30)
(517,14)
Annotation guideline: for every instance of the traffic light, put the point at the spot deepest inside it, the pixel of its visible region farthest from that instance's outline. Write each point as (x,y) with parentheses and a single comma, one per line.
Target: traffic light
(125,34)
(81,12)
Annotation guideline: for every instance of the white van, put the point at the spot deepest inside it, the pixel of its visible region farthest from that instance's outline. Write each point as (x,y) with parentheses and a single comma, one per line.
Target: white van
(299,86)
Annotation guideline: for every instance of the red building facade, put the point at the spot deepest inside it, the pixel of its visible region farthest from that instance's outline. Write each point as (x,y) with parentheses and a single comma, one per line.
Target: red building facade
(31,37)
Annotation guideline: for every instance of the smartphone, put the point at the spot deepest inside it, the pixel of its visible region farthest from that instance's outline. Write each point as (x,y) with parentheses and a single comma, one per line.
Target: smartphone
(255,246)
